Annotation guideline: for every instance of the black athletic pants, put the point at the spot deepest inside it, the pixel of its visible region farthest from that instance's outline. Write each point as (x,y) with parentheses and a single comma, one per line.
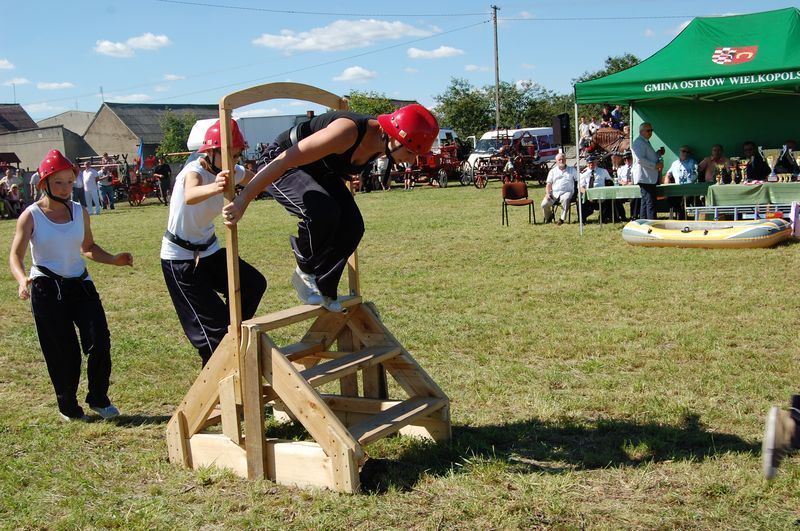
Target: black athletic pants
(195,292)
(58,307)
(330,225)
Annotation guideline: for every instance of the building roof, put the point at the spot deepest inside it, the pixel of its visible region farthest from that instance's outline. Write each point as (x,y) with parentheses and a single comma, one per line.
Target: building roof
(13,117)
(143,119)
(9,158)
(75,121)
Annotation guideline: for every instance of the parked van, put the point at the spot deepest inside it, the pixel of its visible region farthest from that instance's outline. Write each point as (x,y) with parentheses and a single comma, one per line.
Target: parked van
(539,139)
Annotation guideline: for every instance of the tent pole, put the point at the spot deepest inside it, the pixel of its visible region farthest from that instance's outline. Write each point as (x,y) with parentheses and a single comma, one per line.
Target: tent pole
(578,166)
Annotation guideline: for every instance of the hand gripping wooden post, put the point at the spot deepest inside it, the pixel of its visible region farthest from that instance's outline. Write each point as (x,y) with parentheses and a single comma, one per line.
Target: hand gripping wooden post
(221,419)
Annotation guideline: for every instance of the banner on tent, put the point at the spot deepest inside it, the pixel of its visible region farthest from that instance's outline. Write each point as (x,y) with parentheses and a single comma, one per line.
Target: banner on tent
(722,82)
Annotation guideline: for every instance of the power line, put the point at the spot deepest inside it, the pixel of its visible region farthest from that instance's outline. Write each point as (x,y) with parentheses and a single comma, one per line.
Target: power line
(287,72)
(326,13)
(567,19)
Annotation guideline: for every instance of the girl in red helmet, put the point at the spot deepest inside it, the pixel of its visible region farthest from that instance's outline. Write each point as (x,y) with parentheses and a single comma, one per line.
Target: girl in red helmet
(62,293)
(194,264)
(305,170)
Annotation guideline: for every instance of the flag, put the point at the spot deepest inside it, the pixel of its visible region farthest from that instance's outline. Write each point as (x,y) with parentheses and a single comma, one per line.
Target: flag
(140,153)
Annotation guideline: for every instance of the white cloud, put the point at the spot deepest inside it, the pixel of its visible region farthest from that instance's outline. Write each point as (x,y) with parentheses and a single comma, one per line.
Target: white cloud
(272,111)
(339,35)
(16,81)
(410,70)
(525,14)
(161,88)
(5,64)
(528,66)
(42,109)
(476,68)
(54,86)
(173,77)
(355,74)
(128,98)
(438,53)
(147,41)
(649,33)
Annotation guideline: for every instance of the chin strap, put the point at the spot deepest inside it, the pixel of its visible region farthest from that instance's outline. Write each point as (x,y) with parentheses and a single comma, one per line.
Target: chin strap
(388,152)
(65,202)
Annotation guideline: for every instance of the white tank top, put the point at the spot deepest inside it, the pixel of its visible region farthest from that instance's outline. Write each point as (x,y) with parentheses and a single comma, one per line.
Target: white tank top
(57,246)
(193,223)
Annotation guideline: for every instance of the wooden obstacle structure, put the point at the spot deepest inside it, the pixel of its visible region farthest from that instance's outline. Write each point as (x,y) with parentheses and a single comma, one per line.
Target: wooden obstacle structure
(221,419)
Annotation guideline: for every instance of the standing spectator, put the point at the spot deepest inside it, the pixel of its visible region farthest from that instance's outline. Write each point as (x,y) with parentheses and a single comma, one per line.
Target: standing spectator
(11,178)
(559,189)
(90,176)
(593,126)
(62,294)
(616,116)
(645,170)
(78,194)
(408,176)
(164,174)
(194,265)
(106,187)
(33,187)
(585,132)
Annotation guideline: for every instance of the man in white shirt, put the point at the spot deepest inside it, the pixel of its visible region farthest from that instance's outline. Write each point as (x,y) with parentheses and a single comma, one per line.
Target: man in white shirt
(559,189)
(89,177)
(646,170)
(594,177)
(682,171)
(593,126)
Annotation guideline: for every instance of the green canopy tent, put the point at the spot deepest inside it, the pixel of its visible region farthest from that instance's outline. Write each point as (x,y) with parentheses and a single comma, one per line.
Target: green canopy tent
(722,80)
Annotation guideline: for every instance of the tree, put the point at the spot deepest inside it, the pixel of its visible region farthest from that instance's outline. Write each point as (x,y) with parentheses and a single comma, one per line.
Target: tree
(176,129)
(464,108)
(612,65)
(371,103)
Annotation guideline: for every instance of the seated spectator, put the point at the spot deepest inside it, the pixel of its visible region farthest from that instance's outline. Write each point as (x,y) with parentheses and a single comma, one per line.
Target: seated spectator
(560,188)
(625,170)
(15,200)
(757,167)
(6,210)
(708,166)
(616,115)
(682,170)
(596,177)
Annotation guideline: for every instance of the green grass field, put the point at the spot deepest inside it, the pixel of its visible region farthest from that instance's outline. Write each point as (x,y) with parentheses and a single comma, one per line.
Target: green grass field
(593,384)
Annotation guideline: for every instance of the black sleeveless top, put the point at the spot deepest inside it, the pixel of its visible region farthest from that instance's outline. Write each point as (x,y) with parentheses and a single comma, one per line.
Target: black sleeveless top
(336,164)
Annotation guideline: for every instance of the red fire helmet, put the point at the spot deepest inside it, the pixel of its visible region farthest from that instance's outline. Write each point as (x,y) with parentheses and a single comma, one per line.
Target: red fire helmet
(413,126)
(54,162)
(212,139)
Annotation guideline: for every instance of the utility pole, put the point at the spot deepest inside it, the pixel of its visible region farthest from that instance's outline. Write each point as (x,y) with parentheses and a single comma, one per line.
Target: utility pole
(496,72)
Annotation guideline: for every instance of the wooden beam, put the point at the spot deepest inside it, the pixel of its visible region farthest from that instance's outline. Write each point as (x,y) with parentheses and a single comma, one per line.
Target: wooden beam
(229,409)
(327,327)
(214,449)
(204,393)
(253,406)
(294,315)
(178,441)
(300,350)
(348,385)
(349,364)
(394,418)
(290,91)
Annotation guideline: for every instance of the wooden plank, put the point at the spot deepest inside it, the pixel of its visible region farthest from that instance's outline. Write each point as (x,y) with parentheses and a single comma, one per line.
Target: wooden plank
(178,441)
(228,409)
(327,327)
(393,419)
(283,90)
(345,469)
(253,406)
(203,396)
(353,277)
(300,350)
(214,449)
(299,464)
(349,364)
(214,418)
(231,233)
(294,315)
(304,402)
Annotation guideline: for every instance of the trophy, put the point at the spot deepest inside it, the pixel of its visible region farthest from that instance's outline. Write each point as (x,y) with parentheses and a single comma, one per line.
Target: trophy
(771,156)
(720,168)
(733,164)
(743,163)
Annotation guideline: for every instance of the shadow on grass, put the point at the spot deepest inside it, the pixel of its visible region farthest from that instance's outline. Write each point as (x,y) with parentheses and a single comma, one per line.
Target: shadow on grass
(550,447)
(130,421)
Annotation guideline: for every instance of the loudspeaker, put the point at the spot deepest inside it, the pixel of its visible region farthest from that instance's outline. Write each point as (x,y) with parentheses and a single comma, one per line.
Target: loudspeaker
(561,131)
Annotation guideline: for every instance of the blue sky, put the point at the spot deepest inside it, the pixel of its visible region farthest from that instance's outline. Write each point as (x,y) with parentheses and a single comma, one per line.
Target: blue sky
(55,54)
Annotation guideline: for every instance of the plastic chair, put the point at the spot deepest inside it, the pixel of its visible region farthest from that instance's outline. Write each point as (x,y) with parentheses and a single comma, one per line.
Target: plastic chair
(516,194)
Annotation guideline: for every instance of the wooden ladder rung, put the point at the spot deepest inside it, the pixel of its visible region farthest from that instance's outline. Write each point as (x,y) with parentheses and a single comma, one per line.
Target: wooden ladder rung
(395,418)
(294,315)
(300,350)
(349,364)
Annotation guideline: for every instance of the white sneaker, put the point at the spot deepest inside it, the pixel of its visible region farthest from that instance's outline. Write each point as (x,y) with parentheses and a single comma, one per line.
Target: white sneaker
(306,287)
(65,418)
(332,305)
(108,412)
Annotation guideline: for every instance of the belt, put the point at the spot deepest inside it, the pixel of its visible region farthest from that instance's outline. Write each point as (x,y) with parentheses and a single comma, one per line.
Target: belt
(189,246)
(55,276)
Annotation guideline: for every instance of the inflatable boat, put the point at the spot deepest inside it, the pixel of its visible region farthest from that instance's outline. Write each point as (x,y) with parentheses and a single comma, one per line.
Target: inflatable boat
(710,234)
